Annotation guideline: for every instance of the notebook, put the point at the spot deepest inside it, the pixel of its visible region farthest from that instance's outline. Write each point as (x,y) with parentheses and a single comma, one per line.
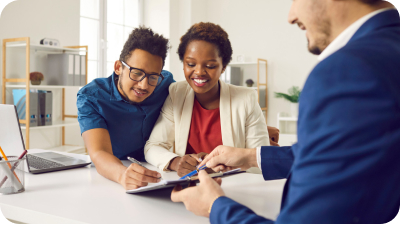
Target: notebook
(184,182)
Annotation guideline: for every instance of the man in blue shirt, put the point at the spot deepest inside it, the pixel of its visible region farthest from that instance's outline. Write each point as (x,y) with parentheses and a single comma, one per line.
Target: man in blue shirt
(117,114)
(345,166)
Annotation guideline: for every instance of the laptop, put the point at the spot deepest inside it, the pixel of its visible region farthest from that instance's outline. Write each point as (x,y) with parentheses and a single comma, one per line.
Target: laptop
(12,143)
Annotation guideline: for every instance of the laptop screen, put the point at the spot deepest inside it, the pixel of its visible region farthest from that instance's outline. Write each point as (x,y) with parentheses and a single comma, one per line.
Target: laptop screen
(11,140)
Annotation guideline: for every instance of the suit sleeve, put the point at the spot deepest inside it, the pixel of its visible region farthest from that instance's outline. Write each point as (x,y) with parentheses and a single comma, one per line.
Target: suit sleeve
(348,134)
(227,211)
(348,128)
(276,162)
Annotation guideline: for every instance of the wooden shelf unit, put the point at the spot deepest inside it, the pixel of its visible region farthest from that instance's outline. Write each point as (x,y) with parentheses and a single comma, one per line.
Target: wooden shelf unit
(259,85)
(26,43)
(259,62)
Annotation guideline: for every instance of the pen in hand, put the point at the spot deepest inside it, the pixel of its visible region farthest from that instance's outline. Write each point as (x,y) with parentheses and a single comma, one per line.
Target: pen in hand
(139,163)
(194,172)
(135,161)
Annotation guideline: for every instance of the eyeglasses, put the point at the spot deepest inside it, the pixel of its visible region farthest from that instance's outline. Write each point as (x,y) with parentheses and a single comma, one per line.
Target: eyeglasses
(136,74)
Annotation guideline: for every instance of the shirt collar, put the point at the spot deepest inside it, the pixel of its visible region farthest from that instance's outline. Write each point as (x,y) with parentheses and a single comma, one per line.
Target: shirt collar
(115,95)
(347,34)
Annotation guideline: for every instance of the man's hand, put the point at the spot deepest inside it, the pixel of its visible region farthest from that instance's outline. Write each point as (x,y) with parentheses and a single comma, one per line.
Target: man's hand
(184,165)
(273,135)
(224,158)
(136,176)
(198,199)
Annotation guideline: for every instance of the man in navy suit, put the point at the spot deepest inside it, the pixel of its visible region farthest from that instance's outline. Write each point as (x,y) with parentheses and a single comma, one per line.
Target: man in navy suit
(345,167)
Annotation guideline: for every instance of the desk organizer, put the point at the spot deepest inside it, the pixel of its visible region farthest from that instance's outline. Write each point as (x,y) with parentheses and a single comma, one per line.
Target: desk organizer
(12,175)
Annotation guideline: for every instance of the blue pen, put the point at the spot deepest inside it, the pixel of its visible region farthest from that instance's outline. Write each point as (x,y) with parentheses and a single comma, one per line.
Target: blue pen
(194,172)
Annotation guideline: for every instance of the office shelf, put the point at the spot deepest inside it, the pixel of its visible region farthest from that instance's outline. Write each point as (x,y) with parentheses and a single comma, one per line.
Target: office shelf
(64,123)
(288,129)
(40,86)
(24,43)
(45,48)
(259,85)
(244,63)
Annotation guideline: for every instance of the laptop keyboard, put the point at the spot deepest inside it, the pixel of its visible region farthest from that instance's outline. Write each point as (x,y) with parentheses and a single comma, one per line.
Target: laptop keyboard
(40,163)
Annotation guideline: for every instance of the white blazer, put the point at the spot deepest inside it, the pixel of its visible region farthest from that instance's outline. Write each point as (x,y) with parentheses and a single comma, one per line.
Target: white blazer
(242,122)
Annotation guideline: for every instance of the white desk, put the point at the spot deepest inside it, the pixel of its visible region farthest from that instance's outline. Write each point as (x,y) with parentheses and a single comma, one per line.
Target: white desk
(84,196)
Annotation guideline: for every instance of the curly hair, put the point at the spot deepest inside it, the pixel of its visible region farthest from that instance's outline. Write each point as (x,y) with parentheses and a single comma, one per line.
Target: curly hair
(370,1)
(145,39)
(211,33)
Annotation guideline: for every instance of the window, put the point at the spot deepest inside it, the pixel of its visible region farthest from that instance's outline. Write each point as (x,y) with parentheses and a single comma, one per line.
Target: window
(105,26)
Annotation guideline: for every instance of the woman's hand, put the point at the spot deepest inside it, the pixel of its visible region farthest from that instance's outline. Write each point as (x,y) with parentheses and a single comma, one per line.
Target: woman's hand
(273,135)
(184,165)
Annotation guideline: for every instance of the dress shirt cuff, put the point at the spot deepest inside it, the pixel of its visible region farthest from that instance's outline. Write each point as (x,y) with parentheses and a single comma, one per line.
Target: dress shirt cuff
(259,157)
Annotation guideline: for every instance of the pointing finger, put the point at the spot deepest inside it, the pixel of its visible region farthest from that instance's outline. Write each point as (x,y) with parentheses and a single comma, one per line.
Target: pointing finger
(210,156)
(215,161)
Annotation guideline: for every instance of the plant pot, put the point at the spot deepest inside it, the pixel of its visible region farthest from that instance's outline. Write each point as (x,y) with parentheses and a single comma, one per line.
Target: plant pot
(249,85)
(294,109)
(36,82)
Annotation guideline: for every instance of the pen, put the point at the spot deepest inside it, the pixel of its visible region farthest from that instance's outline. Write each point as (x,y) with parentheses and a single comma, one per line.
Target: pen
(13,167)
(193,172)
(9,165)
(135,161)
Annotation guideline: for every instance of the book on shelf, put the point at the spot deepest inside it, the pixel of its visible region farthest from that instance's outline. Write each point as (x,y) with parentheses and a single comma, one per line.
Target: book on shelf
(40,106)
(83,70)
(66,69)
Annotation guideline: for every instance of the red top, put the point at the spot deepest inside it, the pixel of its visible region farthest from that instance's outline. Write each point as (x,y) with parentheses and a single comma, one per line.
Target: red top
(205,130)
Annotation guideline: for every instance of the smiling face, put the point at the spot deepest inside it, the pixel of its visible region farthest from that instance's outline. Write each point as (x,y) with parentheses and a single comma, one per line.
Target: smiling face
(312,16)
(134,91)
(202,66)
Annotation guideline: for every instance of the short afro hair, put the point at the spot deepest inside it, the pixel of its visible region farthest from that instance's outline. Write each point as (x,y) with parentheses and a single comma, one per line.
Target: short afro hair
(370,1)
(211,33)
(145,39)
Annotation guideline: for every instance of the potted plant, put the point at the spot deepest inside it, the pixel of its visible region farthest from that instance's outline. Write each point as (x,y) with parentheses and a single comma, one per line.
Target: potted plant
(36,78)
(249,82)
(293,98)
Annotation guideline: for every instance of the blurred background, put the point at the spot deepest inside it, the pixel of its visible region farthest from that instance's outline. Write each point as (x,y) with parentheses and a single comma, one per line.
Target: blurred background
(258,29)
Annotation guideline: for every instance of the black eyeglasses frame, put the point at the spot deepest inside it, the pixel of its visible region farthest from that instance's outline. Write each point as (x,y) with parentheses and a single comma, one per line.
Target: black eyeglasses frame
(145,74)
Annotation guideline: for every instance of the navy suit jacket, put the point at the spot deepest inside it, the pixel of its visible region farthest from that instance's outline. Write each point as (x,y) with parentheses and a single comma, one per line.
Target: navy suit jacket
(345,167)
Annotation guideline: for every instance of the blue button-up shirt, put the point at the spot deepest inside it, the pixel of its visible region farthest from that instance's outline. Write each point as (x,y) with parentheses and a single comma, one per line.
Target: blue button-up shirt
(100,105)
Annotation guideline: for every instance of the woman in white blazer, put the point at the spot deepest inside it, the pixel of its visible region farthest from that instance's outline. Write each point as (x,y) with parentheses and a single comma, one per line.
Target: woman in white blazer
(205,51)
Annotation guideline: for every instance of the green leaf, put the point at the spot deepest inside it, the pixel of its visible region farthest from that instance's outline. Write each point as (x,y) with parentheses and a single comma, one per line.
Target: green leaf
(293,96)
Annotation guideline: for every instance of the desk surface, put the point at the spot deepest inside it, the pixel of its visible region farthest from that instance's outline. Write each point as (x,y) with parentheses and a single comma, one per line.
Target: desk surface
(83,196)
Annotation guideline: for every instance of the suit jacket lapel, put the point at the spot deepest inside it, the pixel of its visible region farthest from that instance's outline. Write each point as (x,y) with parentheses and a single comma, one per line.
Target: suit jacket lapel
(225,114)
(185,122)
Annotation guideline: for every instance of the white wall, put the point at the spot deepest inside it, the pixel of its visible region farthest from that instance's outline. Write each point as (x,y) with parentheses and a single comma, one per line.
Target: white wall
(260,30)
(257,30)
(38,19)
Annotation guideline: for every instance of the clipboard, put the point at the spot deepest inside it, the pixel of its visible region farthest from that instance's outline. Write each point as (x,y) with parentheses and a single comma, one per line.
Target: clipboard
(172,183)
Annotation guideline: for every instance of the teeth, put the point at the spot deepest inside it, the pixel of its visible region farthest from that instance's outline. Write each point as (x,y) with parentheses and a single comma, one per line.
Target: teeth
(200,81)
(139,92)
